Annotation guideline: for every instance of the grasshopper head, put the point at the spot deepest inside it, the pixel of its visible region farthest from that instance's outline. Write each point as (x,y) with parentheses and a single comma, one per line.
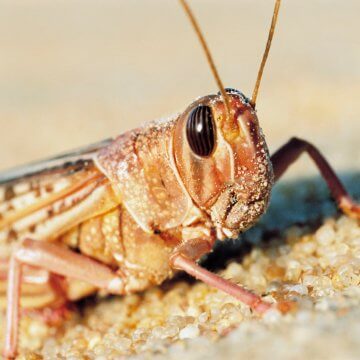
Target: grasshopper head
(221,152)
(223,160)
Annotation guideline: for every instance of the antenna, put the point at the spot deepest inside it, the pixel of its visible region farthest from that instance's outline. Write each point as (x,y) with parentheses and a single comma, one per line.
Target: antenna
(209,58)
(266,53)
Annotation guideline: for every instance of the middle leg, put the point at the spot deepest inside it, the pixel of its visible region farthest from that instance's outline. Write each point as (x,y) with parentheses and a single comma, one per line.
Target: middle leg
(58,260)
(292,150)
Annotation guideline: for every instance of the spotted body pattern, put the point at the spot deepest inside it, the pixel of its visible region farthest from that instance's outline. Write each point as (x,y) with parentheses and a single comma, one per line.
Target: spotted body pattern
(136,199)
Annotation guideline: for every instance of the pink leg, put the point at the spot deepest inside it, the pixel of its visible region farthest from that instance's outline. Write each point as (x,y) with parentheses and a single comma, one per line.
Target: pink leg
(13,305)
(291,151)
(58,260)
(62,261)
(182,262)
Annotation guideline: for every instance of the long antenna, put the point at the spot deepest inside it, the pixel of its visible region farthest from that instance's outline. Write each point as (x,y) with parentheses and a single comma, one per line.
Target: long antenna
(266,53)
(209,58)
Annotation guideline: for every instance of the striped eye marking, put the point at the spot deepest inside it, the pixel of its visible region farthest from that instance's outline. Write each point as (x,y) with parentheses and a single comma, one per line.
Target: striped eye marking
(200,131)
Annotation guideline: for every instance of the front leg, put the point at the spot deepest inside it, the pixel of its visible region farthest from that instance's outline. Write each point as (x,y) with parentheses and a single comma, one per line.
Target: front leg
(181,262)
(291,151)
(184,258)
(58,260)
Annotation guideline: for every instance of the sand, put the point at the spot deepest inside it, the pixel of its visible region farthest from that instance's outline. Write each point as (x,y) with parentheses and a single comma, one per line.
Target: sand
(73,73)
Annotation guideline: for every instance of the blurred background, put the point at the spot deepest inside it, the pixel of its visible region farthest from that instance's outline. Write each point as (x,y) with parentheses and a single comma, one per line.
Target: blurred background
(75,72)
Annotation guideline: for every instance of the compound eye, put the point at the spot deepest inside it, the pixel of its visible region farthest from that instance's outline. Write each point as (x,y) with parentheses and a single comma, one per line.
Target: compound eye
(200,131)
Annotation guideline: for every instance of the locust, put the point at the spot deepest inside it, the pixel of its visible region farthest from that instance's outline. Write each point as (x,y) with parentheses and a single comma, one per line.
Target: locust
(128,213)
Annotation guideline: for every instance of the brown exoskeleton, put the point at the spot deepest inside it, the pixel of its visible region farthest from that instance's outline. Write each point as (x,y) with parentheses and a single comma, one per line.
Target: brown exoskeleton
(128,213)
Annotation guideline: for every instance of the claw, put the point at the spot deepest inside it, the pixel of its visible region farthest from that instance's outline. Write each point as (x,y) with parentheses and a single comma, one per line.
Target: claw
(350,208)
(286,307)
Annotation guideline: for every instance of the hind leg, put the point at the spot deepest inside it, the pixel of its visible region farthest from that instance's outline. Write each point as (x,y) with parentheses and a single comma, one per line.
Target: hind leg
(291,151)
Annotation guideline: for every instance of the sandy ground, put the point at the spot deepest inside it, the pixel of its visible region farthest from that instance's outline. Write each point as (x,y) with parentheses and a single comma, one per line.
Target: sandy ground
(301,251)
(73,73)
